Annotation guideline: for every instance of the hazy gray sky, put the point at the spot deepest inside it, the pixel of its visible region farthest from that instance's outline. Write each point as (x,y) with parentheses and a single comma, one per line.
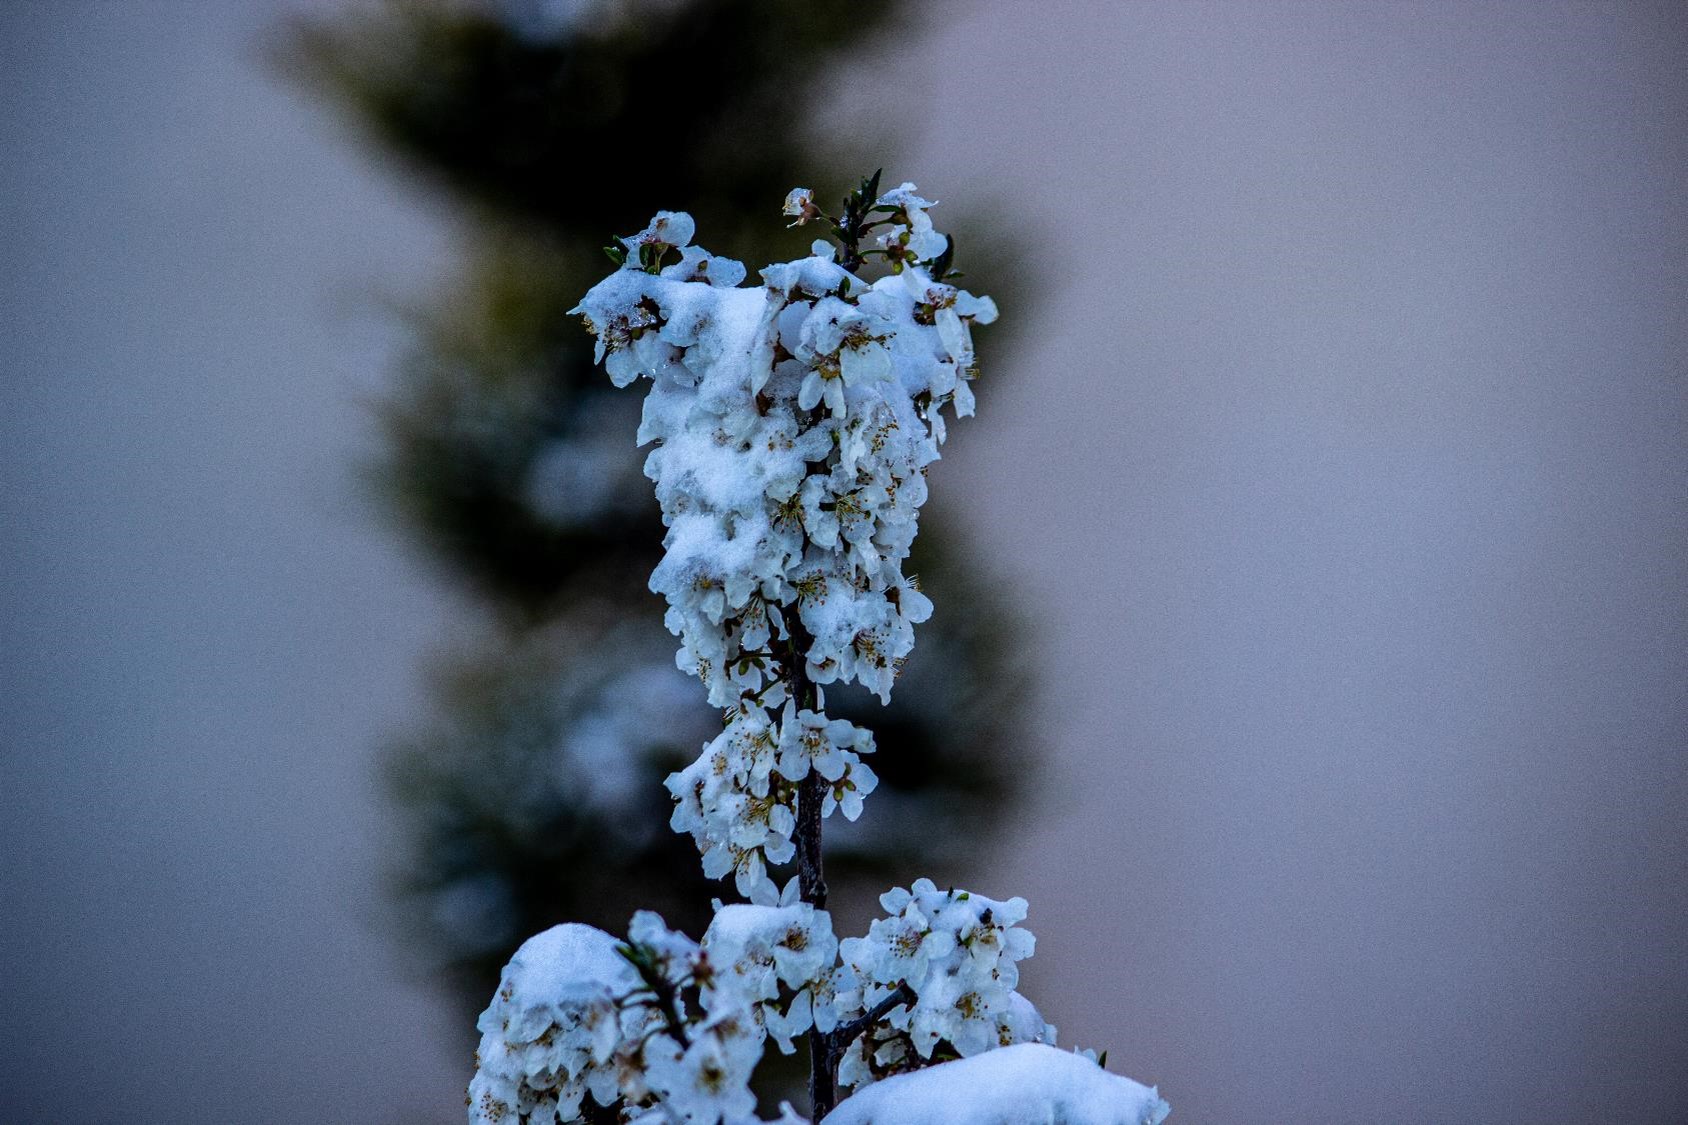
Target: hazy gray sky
(1346,471)
(1341,467)
(204,632)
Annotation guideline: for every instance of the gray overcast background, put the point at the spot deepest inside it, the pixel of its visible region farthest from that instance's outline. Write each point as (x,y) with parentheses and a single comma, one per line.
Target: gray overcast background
(1342,471)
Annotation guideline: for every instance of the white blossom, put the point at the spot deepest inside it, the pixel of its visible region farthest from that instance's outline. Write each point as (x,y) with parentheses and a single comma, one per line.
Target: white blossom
(668,228)
(912,239)
(800,204)
(709,1080)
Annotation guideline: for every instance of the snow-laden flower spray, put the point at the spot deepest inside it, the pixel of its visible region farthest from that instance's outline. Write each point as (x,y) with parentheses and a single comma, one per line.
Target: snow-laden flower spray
(792,424)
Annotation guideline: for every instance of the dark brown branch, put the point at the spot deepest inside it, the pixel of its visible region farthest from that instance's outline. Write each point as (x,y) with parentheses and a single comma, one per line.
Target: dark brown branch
(667,996)
(811,867)
(826,1048)
(843,1035)
(811,791)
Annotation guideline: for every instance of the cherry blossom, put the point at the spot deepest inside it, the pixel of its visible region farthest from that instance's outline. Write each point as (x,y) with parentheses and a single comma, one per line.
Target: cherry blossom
(791,424)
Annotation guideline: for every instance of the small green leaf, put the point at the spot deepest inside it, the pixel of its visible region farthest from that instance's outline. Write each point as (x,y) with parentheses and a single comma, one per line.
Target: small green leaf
(616,254)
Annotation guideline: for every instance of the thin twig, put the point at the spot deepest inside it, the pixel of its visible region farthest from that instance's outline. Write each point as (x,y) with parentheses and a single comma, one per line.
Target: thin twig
(844,1034)
(666,993)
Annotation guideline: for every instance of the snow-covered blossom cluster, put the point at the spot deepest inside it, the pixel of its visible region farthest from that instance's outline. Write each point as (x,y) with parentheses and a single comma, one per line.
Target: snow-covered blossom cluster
(956,952)
(550,1037)
(770,500)
(793,424)
(659,1028)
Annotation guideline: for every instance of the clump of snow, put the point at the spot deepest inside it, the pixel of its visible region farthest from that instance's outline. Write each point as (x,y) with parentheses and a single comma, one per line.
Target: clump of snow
(1022,1085)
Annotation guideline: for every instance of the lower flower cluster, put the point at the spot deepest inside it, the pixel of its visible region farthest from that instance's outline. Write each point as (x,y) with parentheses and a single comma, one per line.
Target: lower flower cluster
(662,1028)
(658,1028)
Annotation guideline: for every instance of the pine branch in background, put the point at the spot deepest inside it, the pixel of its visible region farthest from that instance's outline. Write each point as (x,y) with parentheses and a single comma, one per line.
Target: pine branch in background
(509,461)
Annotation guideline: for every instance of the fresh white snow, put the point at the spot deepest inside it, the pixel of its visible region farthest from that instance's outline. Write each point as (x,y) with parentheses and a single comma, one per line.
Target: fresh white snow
(1029,1084)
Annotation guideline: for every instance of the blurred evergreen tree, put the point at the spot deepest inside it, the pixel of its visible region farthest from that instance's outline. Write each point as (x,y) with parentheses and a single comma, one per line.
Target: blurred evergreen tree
(534,795)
